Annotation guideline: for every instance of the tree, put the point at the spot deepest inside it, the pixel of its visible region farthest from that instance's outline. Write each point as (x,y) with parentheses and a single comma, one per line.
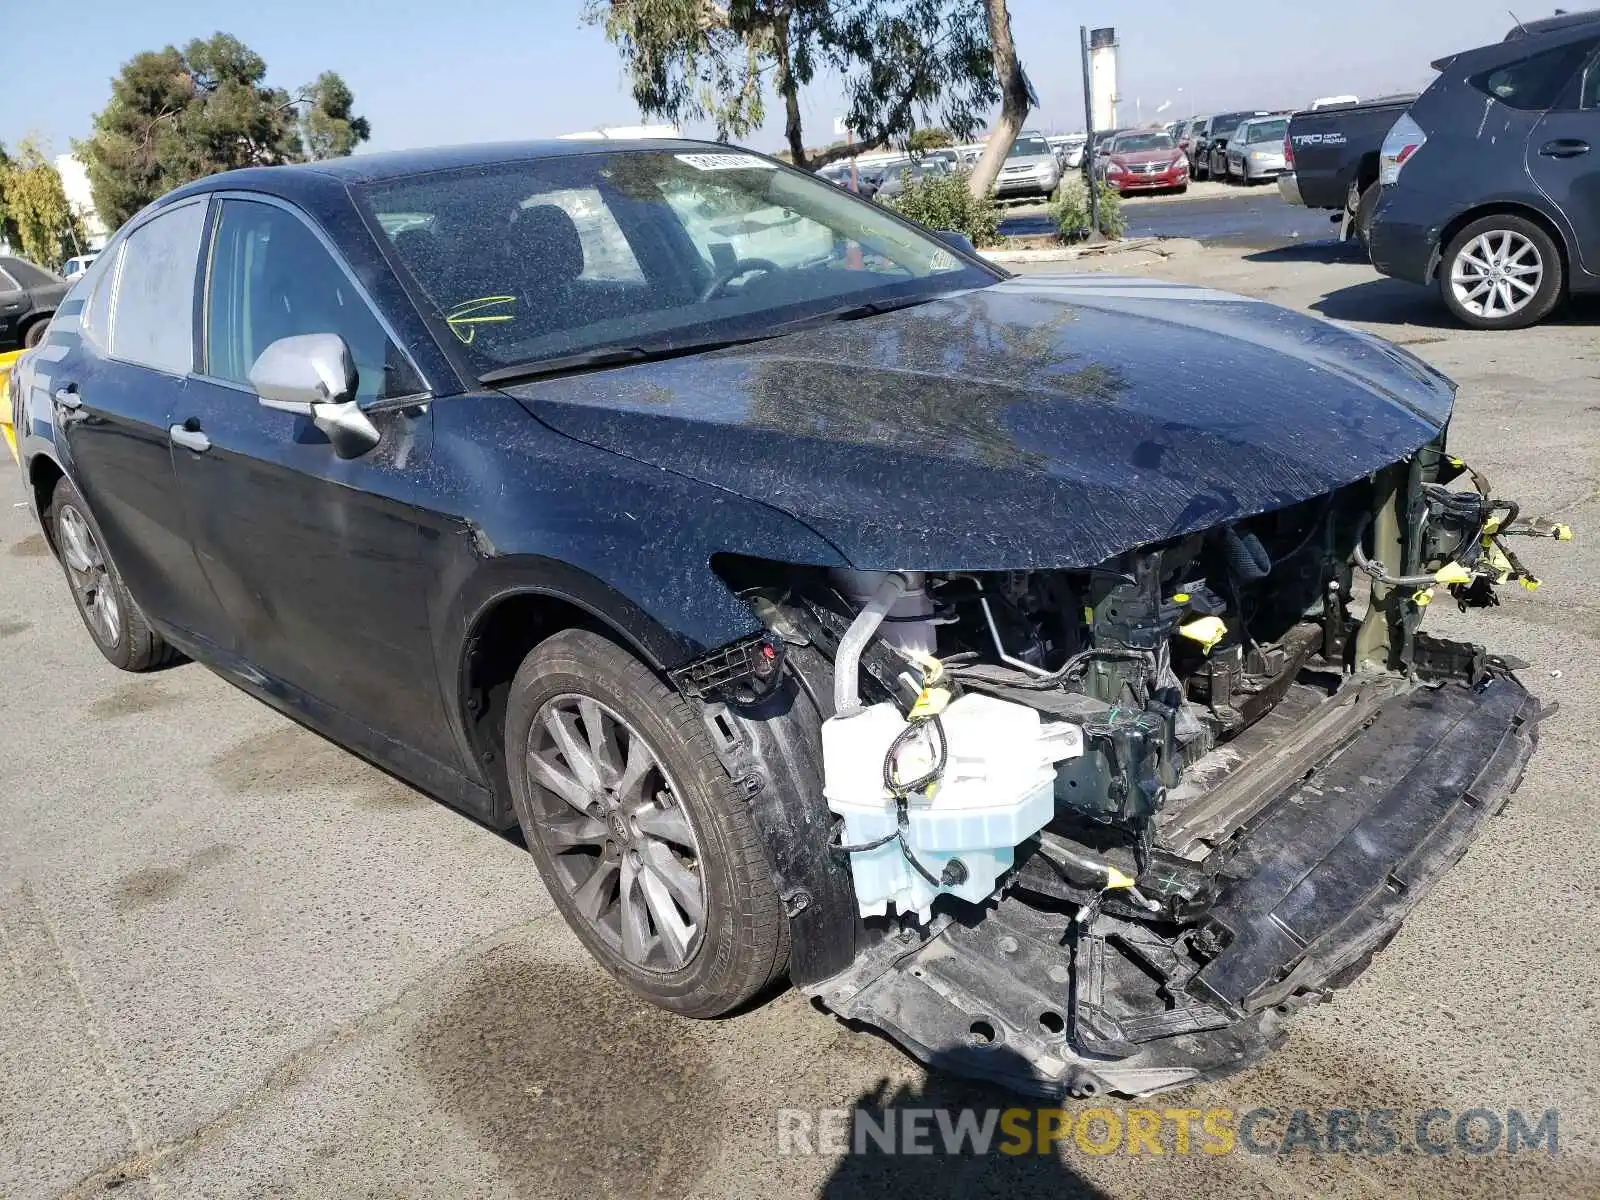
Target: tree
(47,230)
(8,227)
(179,115)
(328,128)
(899,60)
(933,138)
(1016,99)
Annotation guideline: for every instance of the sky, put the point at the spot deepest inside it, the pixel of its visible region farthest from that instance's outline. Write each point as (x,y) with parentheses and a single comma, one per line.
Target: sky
(426,73)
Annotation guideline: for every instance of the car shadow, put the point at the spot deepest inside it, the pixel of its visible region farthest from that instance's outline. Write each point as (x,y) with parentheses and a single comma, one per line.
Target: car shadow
(1386,302)
(939,1169)
(1322,250)
(1395,302)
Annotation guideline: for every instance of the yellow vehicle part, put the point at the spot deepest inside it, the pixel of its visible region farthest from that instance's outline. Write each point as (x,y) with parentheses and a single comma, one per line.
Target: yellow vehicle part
(7,433)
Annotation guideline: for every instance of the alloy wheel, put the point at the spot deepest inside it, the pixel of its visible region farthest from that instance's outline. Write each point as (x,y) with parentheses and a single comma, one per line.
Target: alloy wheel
(90,575)
(611,819)
(1497,274)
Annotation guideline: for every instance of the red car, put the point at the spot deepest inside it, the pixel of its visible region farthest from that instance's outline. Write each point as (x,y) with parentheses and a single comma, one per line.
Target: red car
(1139,162)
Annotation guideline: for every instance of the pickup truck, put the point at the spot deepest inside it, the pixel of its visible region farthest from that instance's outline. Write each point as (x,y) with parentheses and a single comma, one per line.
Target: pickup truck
(1333,159)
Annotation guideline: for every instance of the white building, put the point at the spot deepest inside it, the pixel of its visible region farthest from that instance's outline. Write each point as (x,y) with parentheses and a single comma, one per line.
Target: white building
(75,182)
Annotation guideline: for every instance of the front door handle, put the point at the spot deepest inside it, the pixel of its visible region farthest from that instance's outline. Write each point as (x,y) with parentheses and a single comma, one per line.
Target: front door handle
(1564,148)
(67,397)
(188,436)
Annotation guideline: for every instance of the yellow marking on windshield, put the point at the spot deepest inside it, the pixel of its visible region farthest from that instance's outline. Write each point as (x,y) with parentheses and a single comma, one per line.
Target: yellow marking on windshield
(465,317)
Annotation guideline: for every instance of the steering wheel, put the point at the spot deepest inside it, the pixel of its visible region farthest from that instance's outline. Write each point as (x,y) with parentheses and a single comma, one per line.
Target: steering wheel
(740,266)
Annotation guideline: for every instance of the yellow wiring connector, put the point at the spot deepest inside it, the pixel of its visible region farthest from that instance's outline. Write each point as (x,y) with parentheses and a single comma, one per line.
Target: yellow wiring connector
(1207,631)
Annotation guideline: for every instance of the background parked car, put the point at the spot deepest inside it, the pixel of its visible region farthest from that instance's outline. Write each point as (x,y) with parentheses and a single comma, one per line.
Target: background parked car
(28,298)
(1143,162)
(1218,132)
(1255,152)
(77,265)
(1185,138)
(1030,168)
(901,171)
(1491,186)
(1332,159)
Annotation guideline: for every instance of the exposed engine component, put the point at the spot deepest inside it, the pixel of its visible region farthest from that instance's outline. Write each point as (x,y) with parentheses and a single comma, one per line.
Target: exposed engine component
(1126,817)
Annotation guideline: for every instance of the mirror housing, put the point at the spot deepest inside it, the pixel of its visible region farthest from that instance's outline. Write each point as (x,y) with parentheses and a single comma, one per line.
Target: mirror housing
(314,375)
(959,240)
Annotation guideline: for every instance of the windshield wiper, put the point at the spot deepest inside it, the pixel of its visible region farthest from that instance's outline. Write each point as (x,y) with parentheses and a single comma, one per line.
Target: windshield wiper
(613,356)
(873,308)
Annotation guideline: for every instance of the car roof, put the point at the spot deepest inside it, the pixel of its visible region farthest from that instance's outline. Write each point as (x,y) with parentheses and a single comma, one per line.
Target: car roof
(293,178)
(1562,20)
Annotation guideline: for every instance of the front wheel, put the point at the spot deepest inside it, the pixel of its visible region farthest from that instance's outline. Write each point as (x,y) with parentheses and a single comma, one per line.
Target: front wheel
(1501,272)
(642,840)
(103,601)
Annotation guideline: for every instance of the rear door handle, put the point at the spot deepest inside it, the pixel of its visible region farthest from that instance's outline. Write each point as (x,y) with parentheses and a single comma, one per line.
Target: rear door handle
(67,397)
(188,436)
(1564,148)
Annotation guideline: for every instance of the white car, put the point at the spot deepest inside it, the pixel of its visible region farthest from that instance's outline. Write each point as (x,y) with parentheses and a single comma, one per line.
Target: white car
(77,265)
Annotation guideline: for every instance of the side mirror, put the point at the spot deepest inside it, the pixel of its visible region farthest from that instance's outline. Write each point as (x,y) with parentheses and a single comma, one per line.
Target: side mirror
(313,375)
(959,240)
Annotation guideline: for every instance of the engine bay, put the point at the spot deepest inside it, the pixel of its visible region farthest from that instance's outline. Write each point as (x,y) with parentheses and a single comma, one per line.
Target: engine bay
(1184,779)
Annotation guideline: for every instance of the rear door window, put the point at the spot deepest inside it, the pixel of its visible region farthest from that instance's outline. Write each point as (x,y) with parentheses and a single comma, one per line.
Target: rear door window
(151,318)
(1535,83)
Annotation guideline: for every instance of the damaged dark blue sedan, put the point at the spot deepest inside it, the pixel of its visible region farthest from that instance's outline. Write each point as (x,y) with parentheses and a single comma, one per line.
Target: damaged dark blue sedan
(819,601)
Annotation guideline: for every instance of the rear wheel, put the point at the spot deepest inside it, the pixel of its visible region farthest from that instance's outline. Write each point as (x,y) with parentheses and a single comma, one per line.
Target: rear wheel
(643,841)
(1501,272)
(34,334)
(108,611)
(1366,207)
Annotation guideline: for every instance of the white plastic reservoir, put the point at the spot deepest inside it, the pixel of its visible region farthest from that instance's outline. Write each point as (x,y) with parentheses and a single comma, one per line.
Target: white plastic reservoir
(998,789)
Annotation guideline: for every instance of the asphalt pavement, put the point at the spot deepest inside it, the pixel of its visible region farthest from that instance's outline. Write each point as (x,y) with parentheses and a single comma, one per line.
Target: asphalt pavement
(238,962)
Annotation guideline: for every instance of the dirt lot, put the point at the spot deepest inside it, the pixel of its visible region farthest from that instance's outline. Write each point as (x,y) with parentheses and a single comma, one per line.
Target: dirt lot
(240,963)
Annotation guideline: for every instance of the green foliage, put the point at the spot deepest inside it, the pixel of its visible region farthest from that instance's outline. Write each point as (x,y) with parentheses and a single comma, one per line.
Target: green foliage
(328,127)
(179,115)
(945,202)
(8,227)
(1070,208)
(47,230)
(934,138)
(898,60)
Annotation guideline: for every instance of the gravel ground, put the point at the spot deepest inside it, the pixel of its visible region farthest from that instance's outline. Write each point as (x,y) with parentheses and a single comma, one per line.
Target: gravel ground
(240,963)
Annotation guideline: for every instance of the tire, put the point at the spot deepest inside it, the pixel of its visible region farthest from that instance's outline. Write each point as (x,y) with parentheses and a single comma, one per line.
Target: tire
(1525,256)
(34,334)
(104,604)
(1181,189)
(740,943)
(1366,207)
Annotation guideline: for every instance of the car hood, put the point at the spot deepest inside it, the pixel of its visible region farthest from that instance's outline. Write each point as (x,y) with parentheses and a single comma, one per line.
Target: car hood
(1040,422)
(1030,161)
(1138,157)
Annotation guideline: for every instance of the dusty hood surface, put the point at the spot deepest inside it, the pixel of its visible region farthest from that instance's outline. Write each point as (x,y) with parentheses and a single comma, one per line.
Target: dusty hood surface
(1047,421)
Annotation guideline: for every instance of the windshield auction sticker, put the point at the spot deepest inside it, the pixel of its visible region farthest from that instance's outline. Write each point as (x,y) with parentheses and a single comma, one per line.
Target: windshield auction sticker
(725,162)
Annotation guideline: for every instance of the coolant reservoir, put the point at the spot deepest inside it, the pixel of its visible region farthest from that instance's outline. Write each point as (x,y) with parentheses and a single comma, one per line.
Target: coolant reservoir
(998,789)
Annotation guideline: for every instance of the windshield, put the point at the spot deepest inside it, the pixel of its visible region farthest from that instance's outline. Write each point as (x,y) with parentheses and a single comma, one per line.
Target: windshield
(551,257)
(1224,126)
(1266,131)
(1029,147)
(1135,143)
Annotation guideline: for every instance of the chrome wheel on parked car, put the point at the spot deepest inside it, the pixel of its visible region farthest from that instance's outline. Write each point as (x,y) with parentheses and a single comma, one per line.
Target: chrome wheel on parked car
(645,844)
(1501,272)
(92,585)
(610,817)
